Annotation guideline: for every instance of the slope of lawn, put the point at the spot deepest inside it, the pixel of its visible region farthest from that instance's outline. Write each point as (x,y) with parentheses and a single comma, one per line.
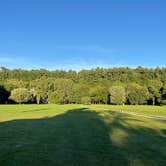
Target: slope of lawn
(77,135)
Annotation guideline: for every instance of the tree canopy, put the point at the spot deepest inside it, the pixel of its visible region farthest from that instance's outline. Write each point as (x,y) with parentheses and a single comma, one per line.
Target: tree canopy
(97,86)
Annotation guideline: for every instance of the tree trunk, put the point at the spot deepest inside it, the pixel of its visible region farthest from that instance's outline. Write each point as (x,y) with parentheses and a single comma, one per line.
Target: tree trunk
(153,100)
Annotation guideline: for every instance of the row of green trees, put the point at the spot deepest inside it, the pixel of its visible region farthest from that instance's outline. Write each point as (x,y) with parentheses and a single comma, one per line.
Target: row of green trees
(96,86)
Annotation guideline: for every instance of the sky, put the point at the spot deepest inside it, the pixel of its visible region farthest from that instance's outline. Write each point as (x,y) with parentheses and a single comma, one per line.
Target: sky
(82,34)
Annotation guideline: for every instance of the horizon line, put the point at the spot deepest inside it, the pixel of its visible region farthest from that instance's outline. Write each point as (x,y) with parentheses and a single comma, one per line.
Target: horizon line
(88,68)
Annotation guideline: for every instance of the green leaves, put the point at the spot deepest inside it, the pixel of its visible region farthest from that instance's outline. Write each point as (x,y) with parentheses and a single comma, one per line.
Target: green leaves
(118,95)
(137,94)
(142,85)
(20,95)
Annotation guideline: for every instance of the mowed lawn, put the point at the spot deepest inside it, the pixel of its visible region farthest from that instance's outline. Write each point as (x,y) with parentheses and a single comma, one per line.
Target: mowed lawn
(81,135)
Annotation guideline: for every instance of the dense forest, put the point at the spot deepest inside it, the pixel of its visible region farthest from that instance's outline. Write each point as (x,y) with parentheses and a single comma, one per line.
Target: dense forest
(96,86)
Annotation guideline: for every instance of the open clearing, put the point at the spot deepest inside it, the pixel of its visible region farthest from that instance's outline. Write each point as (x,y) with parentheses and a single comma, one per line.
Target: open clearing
(80,135)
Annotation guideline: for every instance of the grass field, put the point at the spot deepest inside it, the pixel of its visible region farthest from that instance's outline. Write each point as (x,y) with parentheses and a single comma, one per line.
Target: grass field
(78,135)
(143,110)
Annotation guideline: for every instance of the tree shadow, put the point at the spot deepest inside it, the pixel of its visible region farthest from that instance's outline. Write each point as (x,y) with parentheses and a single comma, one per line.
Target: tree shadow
(80,137)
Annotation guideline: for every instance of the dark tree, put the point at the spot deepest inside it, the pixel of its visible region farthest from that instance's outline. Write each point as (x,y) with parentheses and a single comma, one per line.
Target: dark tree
(4,94)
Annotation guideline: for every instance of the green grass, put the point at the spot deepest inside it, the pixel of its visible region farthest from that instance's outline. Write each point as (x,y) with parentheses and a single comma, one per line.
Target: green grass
(77,135)
(144,109)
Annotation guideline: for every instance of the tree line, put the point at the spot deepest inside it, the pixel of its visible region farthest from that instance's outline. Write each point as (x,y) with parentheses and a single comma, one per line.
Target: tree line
(96,86)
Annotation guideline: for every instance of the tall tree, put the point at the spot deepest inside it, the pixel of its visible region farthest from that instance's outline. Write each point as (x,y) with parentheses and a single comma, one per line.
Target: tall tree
(136,94)
(154,88)
(40,87)
(117,95)
(20,95)
(98,95)
(63,88)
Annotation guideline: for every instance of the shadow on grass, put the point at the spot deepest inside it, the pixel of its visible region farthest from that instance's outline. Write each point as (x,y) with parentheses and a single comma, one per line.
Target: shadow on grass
(80,137)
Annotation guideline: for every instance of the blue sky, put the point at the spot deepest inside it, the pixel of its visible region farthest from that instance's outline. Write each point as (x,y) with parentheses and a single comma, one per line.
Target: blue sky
(78,34)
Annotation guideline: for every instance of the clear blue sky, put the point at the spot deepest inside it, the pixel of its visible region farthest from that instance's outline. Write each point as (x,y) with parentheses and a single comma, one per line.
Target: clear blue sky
(76,34)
